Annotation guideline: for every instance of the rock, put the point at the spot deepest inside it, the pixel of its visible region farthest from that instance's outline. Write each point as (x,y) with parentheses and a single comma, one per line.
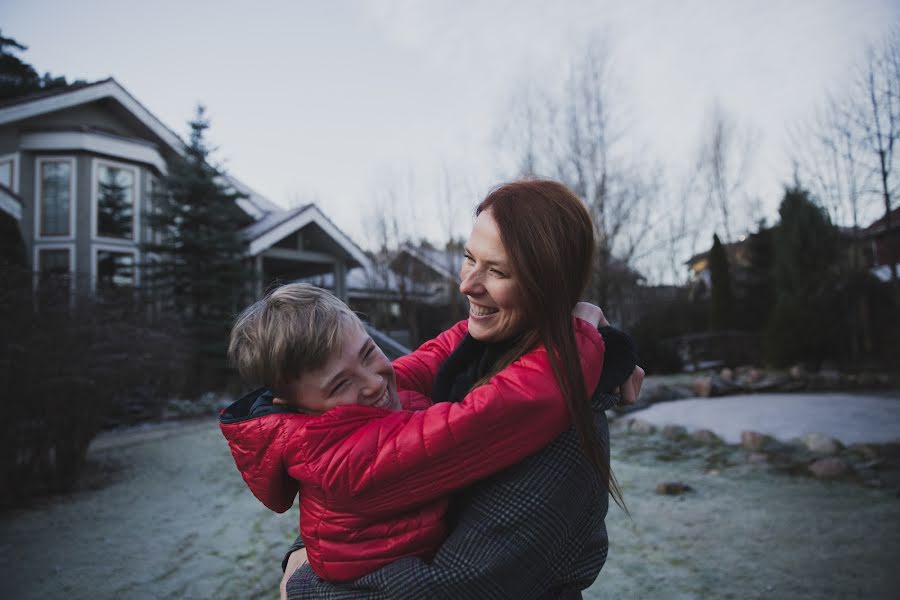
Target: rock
(713,385)
(753,440)
(828,379)
(829,468)
(642,427)
(702,386)
(673,488)
(706,437)
(757,458)
(866,451)
(819,443)
(727,374)
(674,432)
(713,472)
(798,372)
(867,379)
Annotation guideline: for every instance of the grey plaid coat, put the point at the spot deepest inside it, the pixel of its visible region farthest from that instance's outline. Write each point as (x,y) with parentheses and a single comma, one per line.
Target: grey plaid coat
(533,531)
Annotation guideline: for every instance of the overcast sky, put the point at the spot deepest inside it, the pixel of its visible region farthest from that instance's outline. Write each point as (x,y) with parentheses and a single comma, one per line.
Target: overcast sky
(329,100)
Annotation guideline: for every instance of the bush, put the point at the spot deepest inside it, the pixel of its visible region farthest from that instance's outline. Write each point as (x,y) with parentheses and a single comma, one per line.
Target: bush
(68,360)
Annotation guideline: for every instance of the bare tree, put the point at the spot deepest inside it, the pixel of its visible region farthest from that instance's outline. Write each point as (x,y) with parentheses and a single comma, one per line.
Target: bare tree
(578,136)
(877,101)
(724,160)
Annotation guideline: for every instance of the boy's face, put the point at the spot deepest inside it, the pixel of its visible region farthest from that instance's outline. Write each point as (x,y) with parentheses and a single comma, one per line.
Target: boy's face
(357,372)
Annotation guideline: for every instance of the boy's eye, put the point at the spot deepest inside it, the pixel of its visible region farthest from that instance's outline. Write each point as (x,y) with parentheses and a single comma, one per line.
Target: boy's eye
(368,353)
(338,387)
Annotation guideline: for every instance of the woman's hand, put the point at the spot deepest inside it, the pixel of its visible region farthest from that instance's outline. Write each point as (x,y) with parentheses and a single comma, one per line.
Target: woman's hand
(296,560)
(590,313)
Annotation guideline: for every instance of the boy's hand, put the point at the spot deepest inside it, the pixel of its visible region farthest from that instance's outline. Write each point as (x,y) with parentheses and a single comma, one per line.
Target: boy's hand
(590,313)
(631,389)
(295,561)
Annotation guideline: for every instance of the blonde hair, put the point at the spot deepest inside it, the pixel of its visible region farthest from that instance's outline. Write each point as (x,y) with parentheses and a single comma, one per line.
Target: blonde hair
(294,328)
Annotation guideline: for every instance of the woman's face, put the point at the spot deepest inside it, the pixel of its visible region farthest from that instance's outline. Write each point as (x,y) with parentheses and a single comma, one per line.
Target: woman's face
(496,310)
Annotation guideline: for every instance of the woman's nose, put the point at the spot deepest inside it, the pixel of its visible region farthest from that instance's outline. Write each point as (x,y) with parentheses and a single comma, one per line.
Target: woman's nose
(470,284)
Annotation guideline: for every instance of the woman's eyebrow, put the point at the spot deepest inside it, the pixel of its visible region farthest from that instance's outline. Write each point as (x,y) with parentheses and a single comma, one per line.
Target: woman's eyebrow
(488,261)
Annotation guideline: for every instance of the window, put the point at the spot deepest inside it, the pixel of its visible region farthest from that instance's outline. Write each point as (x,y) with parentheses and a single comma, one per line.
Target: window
(115,194)
(55,183)
(53,262)
(7,173)
(152,203)
(114,269)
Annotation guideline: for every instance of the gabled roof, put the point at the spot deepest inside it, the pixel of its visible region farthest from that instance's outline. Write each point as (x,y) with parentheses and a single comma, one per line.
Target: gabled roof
(33,105)
(445,263)
(275,226)
(254,204)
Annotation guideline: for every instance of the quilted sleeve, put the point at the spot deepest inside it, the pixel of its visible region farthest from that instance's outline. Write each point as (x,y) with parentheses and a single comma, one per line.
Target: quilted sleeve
(375,466)
(416,371)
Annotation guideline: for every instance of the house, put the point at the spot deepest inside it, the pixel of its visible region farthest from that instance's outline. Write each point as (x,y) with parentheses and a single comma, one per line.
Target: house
(78,168)
(883,244)
(411,293)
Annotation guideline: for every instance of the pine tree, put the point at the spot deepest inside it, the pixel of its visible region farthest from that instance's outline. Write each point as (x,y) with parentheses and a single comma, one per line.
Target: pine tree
(721,308)
(200,272)
(804,321)
(17,77)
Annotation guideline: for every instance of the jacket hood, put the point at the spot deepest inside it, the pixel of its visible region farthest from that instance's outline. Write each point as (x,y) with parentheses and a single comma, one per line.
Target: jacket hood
(256,431)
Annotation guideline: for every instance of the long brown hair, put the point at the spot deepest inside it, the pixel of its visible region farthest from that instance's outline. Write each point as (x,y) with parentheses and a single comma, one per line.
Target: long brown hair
(548,235)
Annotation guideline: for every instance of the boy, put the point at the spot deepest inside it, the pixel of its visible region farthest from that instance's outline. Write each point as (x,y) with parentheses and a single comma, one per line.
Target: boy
(373,479)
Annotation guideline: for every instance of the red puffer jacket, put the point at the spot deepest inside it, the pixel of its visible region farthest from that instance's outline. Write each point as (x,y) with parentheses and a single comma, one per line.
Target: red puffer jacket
(373,483)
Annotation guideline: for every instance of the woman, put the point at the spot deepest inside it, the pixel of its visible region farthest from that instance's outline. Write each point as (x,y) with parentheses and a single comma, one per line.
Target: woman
(535,530)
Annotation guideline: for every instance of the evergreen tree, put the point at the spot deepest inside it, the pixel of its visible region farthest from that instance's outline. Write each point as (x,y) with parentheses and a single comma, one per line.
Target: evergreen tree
(17,77)
(721,307)
(201,274)
(804,322)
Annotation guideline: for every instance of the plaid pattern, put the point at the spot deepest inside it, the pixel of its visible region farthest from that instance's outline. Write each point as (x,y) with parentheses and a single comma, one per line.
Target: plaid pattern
(533,531)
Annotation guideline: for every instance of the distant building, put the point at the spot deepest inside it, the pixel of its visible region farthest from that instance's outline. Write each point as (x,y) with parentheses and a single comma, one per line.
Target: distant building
(882,243)
(78,169)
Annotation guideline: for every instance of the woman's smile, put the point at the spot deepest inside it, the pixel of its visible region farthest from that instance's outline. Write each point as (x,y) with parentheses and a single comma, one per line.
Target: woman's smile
(477,311)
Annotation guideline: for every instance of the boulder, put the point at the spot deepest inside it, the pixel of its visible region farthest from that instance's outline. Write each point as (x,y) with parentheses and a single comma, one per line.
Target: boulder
(673,488)
(757,458)
(706,437)
(819,443)
(712,385)
(798,372)
(829,468)
(753,440)
(642,427)
(674,432)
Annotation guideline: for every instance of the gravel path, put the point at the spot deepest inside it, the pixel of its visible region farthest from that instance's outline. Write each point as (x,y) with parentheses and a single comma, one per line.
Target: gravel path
(163,513)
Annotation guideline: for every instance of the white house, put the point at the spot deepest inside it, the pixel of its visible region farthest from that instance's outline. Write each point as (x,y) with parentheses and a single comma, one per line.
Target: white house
(62,151)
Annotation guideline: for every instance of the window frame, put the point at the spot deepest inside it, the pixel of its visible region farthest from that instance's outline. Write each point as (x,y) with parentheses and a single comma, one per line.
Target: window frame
(38,198)
(96,249)
(96,163)
(13,157)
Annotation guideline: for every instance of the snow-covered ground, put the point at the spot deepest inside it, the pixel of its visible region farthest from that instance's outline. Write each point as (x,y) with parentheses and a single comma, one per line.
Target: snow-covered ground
(850,418)
(163,513)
